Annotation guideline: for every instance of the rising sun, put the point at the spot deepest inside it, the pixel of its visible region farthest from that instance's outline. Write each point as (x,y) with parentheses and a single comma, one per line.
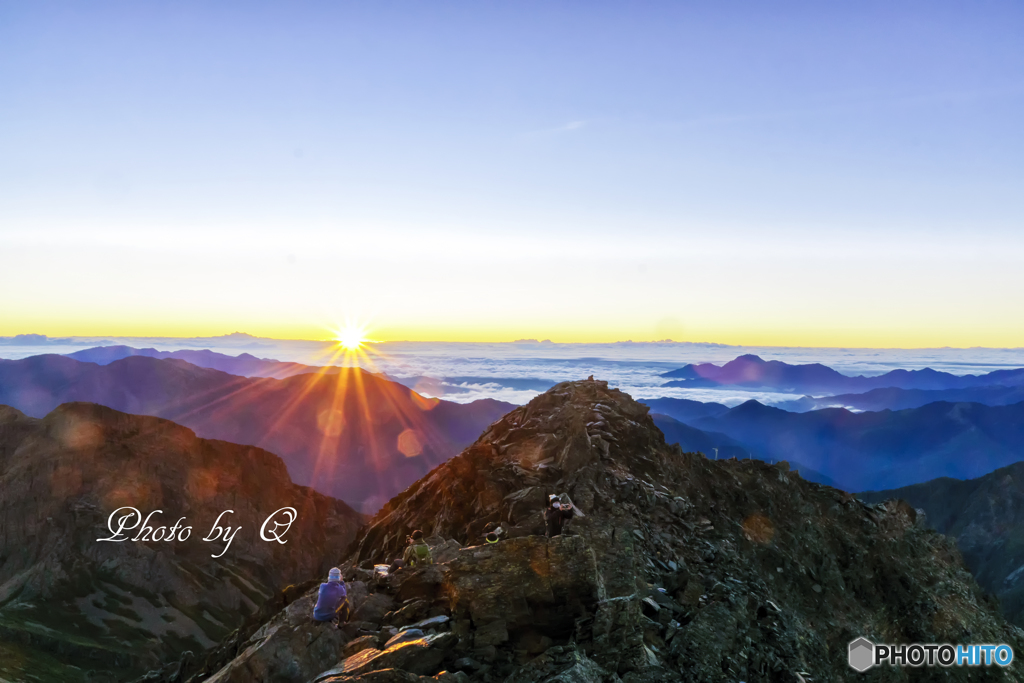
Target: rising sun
(351,338)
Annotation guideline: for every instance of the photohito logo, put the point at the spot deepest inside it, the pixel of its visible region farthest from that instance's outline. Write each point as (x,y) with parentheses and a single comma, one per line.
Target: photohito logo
(863,654)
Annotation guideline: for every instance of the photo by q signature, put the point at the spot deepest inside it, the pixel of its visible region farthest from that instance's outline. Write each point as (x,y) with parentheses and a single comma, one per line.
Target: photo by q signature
(128,519)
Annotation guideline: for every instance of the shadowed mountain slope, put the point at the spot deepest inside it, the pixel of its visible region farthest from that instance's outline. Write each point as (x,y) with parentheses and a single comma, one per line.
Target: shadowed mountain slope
(877,450)
(693,440)
(349,434)
(683,409)
(68,600)
(986,516)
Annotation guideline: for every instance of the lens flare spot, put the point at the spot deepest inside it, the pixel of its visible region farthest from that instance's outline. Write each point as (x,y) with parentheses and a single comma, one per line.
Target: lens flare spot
(133,493)
(758,528)
(331,422)
(78,433)
(409,443)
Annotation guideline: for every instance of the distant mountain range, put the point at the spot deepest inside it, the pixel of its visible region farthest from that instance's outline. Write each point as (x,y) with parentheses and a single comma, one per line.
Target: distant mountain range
(986,515)
(693,440)
(721,447)
(73,608)
(880,450)
(752,372)
(684,409)
(247,365)
(347,433)
(244,364)
(900,399)
(854,451)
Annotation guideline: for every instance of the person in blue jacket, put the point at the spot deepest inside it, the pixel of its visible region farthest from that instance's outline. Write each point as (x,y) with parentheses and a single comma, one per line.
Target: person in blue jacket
(332,602)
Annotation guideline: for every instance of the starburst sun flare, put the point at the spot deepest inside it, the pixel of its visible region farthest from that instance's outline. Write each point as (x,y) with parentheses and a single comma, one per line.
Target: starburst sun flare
(351,337)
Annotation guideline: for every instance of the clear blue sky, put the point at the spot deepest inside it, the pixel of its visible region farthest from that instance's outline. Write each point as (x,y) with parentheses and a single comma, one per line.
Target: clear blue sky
(844,173)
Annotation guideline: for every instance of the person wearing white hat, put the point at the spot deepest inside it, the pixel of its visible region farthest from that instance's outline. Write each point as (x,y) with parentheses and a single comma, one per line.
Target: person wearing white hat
(556,515)
(332,599)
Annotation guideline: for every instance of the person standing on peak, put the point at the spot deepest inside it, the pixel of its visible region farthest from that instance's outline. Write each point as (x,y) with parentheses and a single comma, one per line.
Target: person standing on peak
(418,552)
(556,515)
(332,601)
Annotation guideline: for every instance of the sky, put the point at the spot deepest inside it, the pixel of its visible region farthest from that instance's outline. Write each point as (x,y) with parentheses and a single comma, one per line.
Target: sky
(795,174)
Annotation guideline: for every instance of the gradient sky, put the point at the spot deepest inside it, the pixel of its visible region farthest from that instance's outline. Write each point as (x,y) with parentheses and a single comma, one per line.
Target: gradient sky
(838,174)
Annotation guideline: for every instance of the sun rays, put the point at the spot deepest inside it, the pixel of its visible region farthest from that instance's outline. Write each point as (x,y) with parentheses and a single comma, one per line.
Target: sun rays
(352,337)
(347,415)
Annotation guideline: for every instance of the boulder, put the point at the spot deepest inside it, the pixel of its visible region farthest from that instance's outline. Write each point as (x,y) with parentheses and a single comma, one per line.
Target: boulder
(561,665)
(411,612)
(494,633)
(384,676)
(432,622)
(288,649)
(359,644)
(420,656)
(404,636)
(420,582)
(529,582)
(373,607)
(443,549)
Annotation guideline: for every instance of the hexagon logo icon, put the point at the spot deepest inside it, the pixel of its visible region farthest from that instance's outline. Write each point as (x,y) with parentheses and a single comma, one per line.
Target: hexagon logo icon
(862,654)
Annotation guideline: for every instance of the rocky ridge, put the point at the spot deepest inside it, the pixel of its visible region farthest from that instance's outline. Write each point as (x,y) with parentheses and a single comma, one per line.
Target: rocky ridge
(986,517)
(81,608)
(681,569)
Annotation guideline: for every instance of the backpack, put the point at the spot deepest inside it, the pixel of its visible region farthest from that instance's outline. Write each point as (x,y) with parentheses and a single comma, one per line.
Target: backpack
(422,554)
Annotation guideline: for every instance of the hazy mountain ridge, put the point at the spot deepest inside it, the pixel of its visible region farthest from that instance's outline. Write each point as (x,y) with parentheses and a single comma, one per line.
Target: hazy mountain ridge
(244,364)
(349,433)
(891,398)
(814,378)
(67,600)
(876,450)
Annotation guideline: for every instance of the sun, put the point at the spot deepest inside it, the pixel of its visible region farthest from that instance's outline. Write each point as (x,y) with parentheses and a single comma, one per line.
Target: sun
(351,338)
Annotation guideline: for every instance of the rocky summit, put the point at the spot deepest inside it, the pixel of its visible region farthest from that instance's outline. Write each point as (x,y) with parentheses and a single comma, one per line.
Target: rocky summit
(679,568)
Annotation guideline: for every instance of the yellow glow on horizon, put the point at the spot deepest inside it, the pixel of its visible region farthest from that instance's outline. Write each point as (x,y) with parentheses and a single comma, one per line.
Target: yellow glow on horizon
(352,340)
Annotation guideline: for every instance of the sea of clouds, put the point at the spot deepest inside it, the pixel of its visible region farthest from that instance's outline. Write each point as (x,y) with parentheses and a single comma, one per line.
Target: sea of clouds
(517,371)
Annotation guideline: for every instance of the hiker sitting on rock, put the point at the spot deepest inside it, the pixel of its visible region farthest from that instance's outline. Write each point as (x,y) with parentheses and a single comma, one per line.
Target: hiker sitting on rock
(400,561)
(557,515)
(418,553)
(332,601)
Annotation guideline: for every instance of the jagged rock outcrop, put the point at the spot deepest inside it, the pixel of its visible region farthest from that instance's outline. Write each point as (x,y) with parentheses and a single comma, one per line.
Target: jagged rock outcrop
(122,607)
(986,517)
(682,569)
